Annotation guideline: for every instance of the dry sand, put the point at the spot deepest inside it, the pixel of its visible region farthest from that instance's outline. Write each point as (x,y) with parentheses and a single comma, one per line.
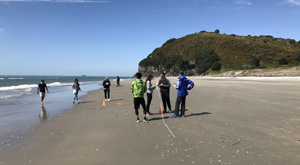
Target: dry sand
(229,121)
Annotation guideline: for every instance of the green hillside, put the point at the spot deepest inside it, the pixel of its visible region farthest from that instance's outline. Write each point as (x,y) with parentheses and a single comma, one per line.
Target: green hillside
(211,52)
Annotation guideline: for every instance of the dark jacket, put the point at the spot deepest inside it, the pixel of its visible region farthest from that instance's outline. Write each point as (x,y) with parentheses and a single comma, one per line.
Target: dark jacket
(166,85)
(106,84)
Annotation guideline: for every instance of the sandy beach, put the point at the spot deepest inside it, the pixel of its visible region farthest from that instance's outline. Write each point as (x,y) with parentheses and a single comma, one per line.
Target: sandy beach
(238,121)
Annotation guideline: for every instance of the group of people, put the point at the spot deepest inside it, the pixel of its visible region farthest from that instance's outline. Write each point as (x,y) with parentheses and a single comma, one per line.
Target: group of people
(42,87)
(139,88)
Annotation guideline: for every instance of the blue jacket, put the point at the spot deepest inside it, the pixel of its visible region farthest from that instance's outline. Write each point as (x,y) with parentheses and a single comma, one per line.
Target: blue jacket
(183,84)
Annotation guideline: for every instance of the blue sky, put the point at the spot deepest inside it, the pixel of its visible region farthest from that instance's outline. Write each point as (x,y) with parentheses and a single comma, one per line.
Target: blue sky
(99,38)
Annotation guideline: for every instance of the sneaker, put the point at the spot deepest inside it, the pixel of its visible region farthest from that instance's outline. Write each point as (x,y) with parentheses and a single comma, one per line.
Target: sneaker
(150,113)
(108,100)
(174,116)
(170,111)
(181,115)
(164,111)
(105,99)
(145,119)
(137,120)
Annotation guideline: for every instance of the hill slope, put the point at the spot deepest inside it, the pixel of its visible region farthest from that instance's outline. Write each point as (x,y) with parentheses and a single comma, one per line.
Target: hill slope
(211,53)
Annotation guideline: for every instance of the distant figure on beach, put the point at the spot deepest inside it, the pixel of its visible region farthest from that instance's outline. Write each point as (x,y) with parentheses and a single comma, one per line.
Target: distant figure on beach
(150,89)
(118,81)
(138,89)
(76,89)
(183,84)
(42,87)
(164,86)
(106,86)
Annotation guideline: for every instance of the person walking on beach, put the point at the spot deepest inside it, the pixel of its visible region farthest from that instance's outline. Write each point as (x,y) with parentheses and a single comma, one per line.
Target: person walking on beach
(150,89)
(138,89)
(106,85)
(118,81)
(164,86)
(41,88)
(76,89)
(183,84)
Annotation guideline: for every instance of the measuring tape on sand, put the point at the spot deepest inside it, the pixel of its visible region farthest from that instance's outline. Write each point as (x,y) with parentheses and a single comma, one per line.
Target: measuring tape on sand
(162,114)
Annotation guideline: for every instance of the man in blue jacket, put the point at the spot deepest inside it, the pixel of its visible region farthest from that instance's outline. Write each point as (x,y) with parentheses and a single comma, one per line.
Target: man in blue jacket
(183,84)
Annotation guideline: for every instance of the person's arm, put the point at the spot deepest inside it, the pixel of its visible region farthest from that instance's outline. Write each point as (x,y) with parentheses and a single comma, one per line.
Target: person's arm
(168,84)
(178,85)
(191,85)
(79,88)
(46,88)
(145,88)
(37,92)
(131,88)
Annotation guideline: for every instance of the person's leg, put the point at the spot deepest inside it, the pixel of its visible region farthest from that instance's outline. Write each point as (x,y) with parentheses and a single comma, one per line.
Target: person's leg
(177,106)
(163,98)
(183,106)
(168,101)
(76,97)
(149,99)
(136,107)
(108,93)
(105,94)
(42,95)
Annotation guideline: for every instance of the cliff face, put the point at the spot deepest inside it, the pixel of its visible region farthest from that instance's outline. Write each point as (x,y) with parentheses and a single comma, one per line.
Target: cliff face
(211,53)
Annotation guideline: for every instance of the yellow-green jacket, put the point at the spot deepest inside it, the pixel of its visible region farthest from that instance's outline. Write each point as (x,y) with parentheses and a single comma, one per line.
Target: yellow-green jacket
(138,88)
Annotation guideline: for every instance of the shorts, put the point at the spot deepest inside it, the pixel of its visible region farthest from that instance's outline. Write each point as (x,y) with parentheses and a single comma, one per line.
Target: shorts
(42,94)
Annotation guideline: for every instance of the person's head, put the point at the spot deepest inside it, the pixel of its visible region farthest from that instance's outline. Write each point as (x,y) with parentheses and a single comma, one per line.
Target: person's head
(43,81)
(138,75)
(181,73)
(162,75)
(106,78)
(149,77)
(76,81)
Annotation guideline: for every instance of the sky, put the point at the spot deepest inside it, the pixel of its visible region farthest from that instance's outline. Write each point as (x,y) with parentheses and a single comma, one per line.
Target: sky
(110,37)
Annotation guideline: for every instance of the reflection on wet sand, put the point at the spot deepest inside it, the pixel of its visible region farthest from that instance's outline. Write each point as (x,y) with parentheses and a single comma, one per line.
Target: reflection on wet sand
(43,114)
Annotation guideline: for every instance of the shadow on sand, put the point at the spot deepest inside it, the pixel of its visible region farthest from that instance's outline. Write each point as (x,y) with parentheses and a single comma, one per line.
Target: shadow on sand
(167,117)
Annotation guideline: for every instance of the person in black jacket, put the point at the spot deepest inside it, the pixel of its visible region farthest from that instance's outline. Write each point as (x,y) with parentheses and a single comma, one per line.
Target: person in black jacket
(106,85)
(164,86)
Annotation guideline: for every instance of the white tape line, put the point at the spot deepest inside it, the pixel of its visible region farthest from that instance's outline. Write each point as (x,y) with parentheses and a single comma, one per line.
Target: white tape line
(162,114)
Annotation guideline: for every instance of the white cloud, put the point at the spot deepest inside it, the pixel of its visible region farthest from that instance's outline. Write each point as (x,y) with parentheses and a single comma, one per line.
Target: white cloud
(61,1)
(1,30)
(244,2)
(294,2)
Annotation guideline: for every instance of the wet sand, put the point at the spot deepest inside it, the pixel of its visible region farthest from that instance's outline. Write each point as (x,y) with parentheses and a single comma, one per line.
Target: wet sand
(229,121)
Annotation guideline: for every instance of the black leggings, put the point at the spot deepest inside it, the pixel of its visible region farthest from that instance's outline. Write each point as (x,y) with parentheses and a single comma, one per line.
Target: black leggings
(149,99)
(106,93)
(137,102)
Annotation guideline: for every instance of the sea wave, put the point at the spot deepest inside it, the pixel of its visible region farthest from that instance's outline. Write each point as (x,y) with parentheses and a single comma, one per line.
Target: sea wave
(1,78)
(16,78)
(31,86)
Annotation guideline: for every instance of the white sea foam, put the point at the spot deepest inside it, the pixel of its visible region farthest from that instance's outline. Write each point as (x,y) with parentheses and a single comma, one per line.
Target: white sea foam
(30,86)
(18,87)
(21,78)
(1,78)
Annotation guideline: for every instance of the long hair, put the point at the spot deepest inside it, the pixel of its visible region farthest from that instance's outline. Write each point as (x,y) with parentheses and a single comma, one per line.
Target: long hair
(149,77)
(76,81)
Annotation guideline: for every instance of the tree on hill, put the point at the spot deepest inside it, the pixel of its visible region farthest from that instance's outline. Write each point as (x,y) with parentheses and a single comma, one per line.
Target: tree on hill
(205,60)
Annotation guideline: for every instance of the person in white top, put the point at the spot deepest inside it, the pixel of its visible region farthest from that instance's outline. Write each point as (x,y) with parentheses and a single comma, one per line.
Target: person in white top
(150,89)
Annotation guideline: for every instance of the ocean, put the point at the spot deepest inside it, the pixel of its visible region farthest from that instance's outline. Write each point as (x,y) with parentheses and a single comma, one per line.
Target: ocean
(20,106)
